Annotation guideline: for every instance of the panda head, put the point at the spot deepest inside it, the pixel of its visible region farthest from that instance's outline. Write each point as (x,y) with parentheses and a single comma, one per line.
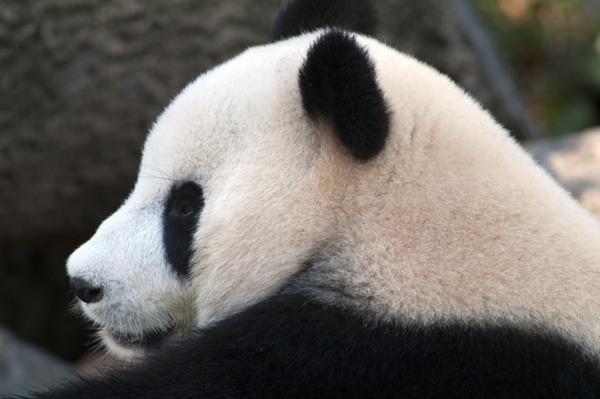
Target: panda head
(240,184)
(329,163)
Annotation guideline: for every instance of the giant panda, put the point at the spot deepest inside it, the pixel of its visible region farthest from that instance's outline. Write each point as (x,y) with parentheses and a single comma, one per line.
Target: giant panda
(323,216)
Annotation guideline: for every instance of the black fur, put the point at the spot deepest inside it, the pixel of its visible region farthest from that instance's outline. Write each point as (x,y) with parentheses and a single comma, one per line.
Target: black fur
(290,346)
(338,83)
(297,17)
(180,218)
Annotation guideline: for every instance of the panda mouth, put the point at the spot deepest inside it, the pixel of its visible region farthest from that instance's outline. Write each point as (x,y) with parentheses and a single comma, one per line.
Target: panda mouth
(149,339)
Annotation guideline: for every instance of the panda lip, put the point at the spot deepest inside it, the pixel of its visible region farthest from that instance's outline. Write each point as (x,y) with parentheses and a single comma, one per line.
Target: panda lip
(140,340)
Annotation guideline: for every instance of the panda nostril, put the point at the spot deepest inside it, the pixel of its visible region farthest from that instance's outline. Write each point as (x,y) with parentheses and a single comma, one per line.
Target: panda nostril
(85,291)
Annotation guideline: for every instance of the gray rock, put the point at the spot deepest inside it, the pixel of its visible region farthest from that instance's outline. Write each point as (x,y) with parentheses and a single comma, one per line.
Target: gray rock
(25,368)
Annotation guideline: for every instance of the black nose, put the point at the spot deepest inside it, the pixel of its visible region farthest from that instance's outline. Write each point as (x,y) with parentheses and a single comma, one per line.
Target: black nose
(86,291)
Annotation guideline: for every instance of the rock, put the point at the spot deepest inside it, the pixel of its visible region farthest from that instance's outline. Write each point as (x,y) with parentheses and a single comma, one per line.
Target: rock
(24,368)
(575,162)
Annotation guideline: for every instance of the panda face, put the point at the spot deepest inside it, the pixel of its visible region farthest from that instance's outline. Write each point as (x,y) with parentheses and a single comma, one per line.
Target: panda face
(226,181)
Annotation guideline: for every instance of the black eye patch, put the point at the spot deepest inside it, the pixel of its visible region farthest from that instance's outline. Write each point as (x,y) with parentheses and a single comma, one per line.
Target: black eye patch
(180,219)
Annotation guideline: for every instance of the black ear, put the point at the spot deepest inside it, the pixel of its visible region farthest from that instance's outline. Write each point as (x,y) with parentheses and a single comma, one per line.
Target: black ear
(338,83)
(301,16)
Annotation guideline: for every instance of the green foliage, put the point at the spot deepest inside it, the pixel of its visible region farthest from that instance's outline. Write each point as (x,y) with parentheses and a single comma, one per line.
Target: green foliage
(554,48)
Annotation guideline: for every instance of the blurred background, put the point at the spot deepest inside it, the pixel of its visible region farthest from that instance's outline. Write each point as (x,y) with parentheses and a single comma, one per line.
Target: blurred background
(553,48)
(81,82)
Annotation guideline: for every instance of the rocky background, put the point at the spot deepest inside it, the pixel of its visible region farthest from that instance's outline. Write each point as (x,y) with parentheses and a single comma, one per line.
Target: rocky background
(81,82)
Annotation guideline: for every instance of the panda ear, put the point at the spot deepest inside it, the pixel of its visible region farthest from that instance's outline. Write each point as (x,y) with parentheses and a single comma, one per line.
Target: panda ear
(338,83)
(301,16)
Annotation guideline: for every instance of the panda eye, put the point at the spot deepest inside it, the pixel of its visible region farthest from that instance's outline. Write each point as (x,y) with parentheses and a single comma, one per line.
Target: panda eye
(180,220)
(187,209)
(184,200)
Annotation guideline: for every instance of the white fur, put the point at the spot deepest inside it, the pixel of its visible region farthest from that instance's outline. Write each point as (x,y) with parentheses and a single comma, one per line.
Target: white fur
(452,221)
